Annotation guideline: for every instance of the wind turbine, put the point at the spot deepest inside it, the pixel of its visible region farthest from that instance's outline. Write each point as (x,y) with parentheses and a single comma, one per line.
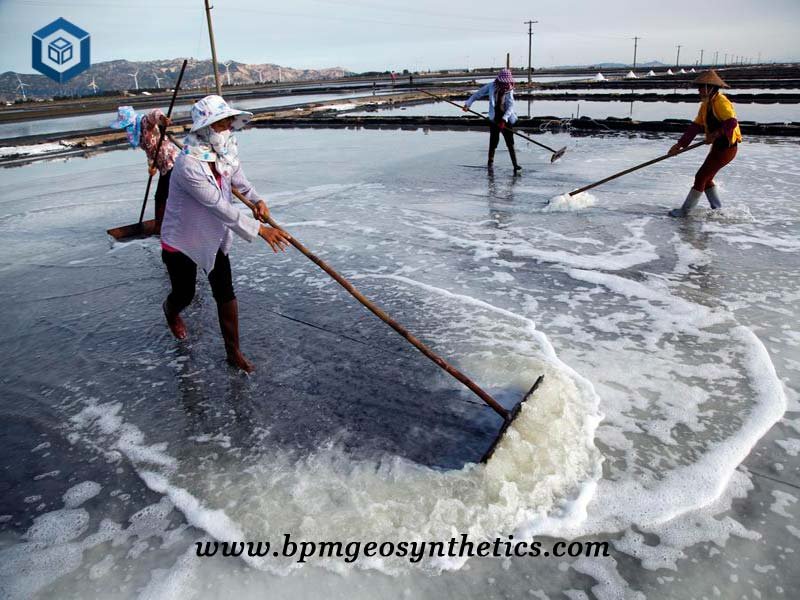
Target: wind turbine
(135,79)
(21,87)
(227,66)
(93,85)
(158,80)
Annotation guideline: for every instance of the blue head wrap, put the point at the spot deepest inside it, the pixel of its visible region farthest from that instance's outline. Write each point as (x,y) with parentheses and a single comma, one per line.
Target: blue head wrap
(131,122)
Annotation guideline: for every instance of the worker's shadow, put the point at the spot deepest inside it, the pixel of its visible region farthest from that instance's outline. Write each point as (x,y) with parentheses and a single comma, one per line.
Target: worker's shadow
(501,201)
(218,403)
(700,274)
(341,379)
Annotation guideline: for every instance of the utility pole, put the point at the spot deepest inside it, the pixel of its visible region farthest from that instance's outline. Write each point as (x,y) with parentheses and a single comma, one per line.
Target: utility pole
(213,48)
(508,60)
(701,57)
(716,58)
(726,59)
(530,43)
(678,58)
(635,47)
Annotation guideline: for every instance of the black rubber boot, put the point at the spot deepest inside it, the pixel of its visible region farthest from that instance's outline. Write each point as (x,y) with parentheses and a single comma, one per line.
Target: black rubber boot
(513,154)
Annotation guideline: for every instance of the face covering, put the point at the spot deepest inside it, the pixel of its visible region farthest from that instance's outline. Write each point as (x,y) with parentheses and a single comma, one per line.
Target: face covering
(219,147)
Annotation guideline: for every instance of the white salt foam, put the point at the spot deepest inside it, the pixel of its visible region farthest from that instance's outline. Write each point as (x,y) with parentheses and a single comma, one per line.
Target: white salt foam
(565,202)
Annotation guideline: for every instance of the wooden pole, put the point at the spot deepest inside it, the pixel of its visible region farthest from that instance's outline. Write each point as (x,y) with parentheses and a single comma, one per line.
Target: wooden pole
(161,137)
(556,153)
(213,48)
(377,311)
(636,168)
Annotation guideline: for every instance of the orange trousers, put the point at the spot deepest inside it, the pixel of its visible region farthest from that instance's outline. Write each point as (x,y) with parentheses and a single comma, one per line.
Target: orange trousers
(718,157)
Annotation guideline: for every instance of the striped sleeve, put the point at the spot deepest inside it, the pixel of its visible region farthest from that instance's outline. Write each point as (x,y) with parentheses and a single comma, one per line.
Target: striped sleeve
(204,192)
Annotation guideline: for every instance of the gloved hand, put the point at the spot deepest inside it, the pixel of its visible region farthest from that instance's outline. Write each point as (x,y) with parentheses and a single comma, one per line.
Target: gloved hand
(674,150)
(502,125)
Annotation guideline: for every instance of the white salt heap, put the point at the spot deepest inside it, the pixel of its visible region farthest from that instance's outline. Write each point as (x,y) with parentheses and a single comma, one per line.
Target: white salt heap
(566,202)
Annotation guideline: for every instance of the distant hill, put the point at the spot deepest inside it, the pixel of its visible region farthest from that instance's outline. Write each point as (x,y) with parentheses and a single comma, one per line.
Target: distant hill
(653,64)
(115,76)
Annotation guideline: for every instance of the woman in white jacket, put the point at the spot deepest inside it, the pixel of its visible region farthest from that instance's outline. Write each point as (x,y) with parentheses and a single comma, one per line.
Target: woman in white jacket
(201,218)
(501,112)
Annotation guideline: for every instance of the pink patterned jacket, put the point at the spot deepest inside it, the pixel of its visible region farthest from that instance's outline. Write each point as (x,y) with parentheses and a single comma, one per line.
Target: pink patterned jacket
(149,140)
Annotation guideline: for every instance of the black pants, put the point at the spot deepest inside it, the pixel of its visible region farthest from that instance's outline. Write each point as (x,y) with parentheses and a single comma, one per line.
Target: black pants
(183,276)
(162,191)
(494,137)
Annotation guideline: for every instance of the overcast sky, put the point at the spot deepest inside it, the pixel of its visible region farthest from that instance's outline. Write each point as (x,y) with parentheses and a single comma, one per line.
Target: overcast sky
(416,34)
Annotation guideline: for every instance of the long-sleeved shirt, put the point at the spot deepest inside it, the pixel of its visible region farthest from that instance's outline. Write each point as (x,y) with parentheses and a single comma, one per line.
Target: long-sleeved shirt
(715,113)
(149,141)
(201,216)
(507,109)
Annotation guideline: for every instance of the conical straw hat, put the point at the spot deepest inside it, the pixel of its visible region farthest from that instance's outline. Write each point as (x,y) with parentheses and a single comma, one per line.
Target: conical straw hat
(710,77)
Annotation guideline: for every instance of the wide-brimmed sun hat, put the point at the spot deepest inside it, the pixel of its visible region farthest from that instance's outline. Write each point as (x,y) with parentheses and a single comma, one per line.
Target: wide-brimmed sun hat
(710,77)
(212,109)
(126,116)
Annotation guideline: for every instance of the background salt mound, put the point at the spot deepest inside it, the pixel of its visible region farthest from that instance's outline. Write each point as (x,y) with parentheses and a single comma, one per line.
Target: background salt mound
(567,202)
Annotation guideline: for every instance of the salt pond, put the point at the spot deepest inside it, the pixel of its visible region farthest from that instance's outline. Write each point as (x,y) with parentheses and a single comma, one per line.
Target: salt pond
(645,111)
(124,447)
(78,123)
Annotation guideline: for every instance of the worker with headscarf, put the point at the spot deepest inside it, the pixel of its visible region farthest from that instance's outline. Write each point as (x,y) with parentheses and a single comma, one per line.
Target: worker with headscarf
(201,219)
(501,113)
(143,131)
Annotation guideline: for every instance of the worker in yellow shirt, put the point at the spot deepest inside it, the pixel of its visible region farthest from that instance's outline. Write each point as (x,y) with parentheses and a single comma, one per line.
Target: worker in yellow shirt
(718,119)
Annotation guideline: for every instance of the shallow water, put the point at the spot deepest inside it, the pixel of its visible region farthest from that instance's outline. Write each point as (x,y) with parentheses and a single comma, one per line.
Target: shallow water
(644,111)
(65,124)
(662,91)
(124,447)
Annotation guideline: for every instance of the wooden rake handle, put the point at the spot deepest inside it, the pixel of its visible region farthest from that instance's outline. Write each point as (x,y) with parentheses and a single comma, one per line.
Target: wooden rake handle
(383,316)
(636,168)
(514,131)
(163,133)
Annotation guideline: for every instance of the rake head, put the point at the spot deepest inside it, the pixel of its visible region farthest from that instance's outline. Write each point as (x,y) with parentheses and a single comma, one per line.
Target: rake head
(558,154)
